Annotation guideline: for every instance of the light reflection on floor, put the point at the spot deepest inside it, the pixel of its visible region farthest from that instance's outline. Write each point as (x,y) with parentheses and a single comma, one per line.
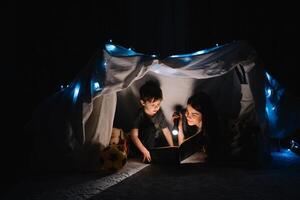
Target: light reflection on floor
(285,158)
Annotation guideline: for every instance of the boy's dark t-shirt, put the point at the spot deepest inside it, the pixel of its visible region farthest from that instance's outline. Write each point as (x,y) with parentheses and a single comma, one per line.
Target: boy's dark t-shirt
(150,128)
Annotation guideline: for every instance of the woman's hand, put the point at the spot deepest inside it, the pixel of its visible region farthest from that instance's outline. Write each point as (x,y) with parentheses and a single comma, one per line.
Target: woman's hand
(177,115)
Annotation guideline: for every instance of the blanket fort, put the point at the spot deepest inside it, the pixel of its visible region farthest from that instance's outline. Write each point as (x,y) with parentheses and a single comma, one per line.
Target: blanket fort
(75,124)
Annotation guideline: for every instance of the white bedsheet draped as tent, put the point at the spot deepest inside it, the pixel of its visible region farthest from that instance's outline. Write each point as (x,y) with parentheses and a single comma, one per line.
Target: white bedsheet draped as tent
(77,121)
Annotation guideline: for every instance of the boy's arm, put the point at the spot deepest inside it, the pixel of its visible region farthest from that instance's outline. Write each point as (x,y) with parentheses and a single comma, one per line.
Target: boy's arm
(168,136)
(137,142)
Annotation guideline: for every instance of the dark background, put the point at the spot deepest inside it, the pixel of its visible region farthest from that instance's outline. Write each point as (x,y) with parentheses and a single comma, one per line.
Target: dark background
(48,43)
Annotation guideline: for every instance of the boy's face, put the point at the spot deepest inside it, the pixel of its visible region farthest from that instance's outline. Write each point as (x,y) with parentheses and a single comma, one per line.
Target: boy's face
(151,107)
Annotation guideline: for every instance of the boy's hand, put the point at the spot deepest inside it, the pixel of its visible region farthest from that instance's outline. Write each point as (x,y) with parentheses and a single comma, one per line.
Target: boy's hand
(146,156)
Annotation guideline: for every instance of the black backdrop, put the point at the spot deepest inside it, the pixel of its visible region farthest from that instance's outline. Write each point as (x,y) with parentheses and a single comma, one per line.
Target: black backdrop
(59,38)
(48,43)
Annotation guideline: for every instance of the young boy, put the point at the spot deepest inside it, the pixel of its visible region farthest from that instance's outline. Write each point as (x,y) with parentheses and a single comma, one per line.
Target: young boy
(150,123)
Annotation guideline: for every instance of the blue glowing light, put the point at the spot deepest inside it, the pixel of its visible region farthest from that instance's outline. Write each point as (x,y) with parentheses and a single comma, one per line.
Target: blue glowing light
(105,64)
(96,86)
(110,47)
(273,92)
(268,77)
(271,113)
(268,92)
(285,155)
(76,92)
(116,50)
(294,144)
(270,104)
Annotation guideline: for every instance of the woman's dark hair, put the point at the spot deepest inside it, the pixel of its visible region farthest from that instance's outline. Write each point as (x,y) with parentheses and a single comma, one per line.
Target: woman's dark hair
(150,91)
(199,101)
(203,103)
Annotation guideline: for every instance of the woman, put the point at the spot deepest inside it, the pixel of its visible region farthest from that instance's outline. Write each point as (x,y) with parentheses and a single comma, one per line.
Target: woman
(199,117)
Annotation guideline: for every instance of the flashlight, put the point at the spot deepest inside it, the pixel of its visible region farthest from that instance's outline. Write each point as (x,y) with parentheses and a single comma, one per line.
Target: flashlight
(175,130)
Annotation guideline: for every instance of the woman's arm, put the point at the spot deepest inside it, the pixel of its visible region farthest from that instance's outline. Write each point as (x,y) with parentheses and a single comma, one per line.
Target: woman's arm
(180,135)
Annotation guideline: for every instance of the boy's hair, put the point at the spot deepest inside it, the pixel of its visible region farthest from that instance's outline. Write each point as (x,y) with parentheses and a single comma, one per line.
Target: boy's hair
(150,91)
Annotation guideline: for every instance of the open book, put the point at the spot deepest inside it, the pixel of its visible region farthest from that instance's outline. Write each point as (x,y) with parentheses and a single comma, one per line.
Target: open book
(176,154)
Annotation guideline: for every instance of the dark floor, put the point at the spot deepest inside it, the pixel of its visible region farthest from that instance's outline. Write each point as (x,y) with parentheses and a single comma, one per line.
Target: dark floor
(279,179)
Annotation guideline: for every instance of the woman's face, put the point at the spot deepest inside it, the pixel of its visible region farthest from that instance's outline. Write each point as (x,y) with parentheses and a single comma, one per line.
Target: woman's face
(193,116)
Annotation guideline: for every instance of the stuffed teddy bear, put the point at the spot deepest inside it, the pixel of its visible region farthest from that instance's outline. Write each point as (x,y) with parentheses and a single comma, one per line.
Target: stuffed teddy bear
(114,156)
(119,139)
